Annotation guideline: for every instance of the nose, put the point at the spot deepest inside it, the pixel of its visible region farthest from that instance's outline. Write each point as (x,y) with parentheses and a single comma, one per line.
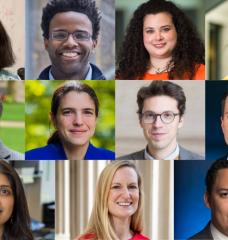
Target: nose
(125,193)
(158,35)
(70,42)
(158,122)
(78,119)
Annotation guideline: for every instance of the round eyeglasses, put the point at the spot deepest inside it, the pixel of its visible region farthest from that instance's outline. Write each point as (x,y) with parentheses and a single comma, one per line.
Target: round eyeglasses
(166,117)
(62,35)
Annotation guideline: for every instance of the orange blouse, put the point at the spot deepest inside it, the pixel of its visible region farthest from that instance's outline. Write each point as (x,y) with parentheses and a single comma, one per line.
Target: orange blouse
(199,75)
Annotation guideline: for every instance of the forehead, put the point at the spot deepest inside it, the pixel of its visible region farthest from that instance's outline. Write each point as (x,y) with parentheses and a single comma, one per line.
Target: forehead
(221,180)
(125,174)
(77,100)
(70,21)
(158,19)
(160,104)
(4,180)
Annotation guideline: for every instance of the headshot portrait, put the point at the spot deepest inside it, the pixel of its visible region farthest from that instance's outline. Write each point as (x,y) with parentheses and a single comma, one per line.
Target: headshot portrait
(12,125)
(206,198)
(160,43)
(118,200)
(78,37)
(12,31)
(216,120)
(61,123)
(158,120)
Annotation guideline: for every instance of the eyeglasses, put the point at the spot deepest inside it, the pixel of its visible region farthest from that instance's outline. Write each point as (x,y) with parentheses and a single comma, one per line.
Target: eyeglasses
(166,117)
(62,35)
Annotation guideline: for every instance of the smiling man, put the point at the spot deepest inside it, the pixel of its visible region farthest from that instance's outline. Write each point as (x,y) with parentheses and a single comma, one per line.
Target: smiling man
(70,30)
(161,107)
(216,198)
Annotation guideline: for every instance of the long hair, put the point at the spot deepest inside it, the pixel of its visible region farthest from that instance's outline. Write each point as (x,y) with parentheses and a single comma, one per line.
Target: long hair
(60,92)
(100,222)
(6,51)
(18,225)
(133,59)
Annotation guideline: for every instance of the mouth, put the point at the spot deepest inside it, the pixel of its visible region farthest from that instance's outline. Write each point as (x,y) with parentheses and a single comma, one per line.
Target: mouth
(124,204)
(158,136)
(159,45)
(77,132)
(70,55)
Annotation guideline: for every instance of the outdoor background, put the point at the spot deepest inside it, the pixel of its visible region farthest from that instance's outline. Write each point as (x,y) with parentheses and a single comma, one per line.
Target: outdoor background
(38,104)
(12,127)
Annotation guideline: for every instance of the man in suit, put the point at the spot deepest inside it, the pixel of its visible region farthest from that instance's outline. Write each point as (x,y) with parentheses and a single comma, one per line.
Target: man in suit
(216,198)
(224,119)
(161,107)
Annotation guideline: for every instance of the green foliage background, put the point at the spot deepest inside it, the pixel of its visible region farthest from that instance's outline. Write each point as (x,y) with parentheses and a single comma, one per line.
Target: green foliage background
(38,104)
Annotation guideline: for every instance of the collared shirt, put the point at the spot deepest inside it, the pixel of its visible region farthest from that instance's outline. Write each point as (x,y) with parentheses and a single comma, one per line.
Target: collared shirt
(172,156)
(87,77)
(216,233)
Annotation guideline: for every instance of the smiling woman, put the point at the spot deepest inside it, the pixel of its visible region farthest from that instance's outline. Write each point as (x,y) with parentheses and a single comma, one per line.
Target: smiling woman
(14,215)
(117,210)
(74,112)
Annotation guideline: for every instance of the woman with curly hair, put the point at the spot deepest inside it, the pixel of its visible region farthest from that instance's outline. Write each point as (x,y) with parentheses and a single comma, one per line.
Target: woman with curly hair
(161,43)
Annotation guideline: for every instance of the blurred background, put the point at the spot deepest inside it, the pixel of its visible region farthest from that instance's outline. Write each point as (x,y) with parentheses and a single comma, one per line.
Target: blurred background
(38,178)
(38,105)
(12,16)
(216,26)
(12,126)
(36,56)
(76,186)
(194,9)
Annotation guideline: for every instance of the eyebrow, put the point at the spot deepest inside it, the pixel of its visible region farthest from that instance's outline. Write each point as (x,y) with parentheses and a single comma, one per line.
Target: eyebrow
(7,186)
(128,183)
(168,25)
(73,109)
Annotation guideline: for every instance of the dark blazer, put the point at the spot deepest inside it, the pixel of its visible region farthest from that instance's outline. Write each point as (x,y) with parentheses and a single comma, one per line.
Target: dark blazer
(204,234)
(96,73)
(184,155)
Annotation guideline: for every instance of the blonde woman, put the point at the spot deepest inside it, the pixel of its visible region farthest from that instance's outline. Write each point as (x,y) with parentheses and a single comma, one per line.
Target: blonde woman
(117,210)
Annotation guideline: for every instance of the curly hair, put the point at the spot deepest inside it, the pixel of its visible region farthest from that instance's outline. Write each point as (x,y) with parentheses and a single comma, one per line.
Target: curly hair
(6,51)
(87,7)
(132,62)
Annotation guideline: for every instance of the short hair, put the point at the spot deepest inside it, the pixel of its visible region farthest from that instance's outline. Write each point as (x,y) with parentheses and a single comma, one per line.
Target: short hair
(6,51)
(99,222)
(213,172)
(61,91)
(223,101)
(87,7)
(18,226)
(161,88)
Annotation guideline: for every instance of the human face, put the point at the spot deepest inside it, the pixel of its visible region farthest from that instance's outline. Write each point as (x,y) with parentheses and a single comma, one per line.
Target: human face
(6,200)
(70,58)
(159,35)
(161,137)
(224,121)
(123,196)
(75,119)
(218,201)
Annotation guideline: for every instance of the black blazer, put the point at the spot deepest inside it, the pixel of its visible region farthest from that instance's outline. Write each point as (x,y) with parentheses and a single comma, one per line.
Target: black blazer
(204,234)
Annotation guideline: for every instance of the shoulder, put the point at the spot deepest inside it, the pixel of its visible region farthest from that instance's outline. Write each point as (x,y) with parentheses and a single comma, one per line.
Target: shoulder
(94,153)
(134,156)
(200,72)
(205,233)
(86,236)
(188,155)
(7,75)
(48,152)
(96,73)
(44,75)
(138,236)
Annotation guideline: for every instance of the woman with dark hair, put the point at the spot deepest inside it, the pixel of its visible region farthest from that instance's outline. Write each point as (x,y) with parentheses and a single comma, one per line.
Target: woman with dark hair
(161,43)
(74,112)
(14,214)
(7,57)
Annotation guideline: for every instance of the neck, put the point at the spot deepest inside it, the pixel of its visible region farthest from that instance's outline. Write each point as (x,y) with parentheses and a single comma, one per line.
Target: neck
(159,65)
(57,74)
(122,228)
(1,231)
(75,152)
(163,152)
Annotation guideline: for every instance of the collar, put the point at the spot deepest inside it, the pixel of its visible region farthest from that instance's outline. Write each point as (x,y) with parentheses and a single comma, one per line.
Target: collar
(87,77)
(216,233)
(4,151)
(172,156)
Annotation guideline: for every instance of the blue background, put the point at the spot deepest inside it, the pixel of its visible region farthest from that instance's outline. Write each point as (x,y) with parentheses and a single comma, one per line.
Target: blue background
(190,213)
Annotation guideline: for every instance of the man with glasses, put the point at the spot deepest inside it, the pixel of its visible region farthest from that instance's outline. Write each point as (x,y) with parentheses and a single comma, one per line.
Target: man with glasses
(161,107)
(70,31)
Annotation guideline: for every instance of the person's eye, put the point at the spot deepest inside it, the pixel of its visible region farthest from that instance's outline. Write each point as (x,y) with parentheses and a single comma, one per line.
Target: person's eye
(133,187)
(5,192)
(149,31)
(167,115)
(115,187)
(224,194)
(59,35)
(88,113)
(166,29)
(67,112)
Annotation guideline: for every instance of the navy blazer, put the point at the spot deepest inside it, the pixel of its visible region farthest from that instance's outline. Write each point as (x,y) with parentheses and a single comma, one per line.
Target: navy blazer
(55,151)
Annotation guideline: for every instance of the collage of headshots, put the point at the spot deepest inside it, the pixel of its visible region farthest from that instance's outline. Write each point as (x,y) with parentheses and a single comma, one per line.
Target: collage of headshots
(112,82)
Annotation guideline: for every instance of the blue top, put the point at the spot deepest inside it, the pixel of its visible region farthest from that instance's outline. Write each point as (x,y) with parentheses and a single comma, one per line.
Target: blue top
(55,151)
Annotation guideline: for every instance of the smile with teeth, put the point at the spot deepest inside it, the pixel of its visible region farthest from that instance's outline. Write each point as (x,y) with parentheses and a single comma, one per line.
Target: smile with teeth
(124,203)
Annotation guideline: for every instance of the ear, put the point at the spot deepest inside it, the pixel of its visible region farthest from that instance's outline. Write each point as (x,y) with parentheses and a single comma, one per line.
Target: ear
(94,44)
(53,120)
(46,43)
(181,122)
(207,199)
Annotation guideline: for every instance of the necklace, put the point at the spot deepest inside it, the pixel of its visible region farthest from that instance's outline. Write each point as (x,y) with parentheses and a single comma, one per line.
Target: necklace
(167,68)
